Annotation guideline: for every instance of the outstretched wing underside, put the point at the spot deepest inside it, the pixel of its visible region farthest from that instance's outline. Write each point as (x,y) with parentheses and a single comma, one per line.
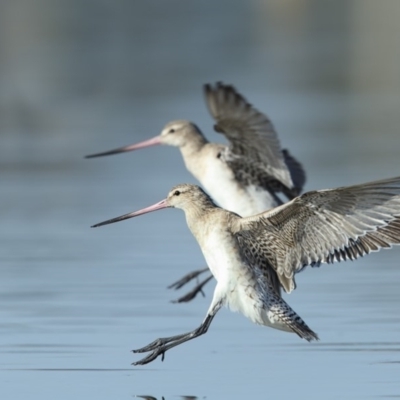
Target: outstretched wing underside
(323,227)
(254,152)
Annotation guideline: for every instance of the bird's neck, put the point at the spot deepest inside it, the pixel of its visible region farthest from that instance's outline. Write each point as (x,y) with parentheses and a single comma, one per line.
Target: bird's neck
(198,214)
(192,149)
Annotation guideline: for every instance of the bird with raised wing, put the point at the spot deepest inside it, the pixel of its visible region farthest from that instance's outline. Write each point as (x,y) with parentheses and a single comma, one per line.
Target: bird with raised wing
(253,258)
(247,176)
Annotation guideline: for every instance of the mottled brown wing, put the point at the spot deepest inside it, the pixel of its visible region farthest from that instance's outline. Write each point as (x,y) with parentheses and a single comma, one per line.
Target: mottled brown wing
(254,144)
(323,227)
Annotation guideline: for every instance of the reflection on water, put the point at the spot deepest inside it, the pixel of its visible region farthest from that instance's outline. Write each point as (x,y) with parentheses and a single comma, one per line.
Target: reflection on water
(165,398)
(75,301)
(150,397)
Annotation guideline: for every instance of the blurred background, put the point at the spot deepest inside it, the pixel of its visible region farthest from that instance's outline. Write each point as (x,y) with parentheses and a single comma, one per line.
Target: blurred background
(79,77)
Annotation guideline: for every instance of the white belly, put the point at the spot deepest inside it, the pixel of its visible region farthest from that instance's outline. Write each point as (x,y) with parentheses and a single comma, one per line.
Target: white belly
(234,279)
(219,182)
(237,284)
(221,255)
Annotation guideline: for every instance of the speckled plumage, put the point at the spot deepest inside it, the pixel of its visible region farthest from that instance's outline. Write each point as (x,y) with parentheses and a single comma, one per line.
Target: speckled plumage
(254,153)
(248,175)
(244,176)
(323,227)
(251,258)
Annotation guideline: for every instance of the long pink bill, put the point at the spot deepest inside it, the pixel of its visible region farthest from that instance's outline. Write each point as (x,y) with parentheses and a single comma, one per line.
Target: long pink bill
(146,143)
(158,206)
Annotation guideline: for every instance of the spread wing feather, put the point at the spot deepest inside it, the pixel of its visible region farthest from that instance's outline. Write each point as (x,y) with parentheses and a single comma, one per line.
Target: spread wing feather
(254,148)
(323,227)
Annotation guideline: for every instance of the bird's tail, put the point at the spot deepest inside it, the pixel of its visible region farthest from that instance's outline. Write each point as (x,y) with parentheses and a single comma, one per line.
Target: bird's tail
(281,314)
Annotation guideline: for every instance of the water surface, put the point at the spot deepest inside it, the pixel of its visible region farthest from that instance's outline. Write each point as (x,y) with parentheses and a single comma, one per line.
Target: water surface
(75,300)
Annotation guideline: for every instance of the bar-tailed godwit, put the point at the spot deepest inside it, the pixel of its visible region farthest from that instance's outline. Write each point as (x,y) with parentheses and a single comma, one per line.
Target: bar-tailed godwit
(247,175)
(252,258)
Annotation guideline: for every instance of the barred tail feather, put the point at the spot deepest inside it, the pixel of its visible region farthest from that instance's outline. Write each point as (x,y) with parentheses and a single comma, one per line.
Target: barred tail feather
(282,314)
(301,329)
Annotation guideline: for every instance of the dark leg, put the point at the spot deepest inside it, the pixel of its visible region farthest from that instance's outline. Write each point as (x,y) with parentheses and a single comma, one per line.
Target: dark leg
(193,293)
(187,278)
(161,345)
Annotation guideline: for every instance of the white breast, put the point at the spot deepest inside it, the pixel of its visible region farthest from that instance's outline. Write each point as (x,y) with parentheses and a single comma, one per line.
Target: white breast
(235,280)
(220,252)
(219,181)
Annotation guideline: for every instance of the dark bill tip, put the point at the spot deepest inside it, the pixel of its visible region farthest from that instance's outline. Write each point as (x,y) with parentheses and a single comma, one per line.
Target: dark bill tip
(146,143)
(158,206)
(107,153)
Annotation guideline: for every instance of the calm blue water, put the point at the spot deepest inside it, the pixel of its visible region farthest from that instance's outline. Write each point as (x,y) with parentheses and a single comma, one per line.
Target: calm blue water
(83,78)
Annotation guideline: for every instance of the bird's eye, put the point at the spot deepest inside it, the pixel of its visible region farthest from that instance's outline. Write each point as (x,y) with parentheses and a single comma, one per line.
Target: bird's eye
(172,130)
(177,193)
